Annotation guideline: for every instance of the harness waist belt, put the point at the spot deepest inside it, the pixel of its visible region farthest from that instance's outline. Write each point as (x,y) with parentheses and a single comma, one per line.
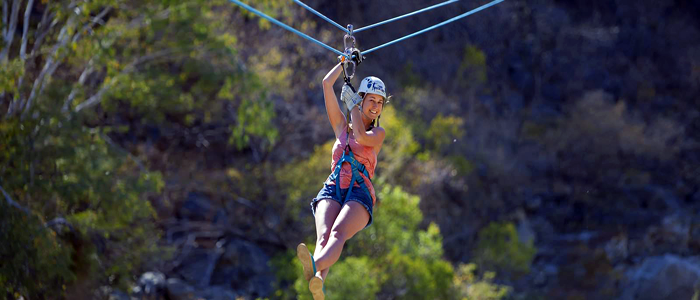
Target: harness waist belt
(357,169)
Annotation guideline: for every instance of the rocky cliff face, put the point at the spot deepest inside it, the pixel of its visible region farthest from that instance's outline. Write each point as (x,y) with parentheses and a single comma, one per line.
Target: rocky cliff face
(582,128)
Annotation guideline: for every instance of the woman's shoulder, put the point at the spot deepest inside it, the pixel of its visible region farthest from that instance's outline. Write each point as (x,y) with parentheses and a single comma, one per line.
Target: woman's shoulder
(378,129)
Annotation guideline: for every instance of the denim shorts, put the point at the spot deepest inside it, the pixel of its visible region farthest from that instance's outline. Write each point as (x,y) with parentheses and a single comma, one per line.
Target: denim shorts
(357,195)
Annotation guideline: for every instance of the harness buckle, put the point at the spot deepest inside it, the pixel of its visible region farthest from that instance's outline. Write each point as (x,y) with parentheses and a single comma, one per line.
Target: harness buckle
(360,180)
(361,168)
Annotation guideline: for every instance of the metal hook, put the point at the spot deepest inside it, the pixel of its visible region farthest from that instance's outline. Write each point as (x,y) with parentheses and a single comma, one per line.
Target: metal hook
(349,36)
(349,75)
(348,52)
(345,42)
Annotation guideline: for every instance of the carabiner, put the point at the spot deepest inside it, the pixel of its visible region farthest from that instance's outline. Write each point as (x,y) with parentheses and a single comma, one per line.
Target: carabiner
(348,75)
(348,53)
(345,42)
(349,36)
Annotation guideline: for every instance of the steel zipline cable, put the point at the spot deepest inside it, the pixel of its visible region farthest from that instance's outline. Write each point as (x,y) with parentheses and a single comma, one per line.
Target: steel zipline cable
(473,11)
(406,15)
(350,32)
(321,15)
(287,27)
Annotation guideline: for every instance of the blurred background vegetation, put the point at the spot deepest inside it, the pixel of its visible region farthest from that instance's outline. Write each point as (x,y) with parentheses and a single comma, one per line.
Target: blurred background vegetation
(170,149)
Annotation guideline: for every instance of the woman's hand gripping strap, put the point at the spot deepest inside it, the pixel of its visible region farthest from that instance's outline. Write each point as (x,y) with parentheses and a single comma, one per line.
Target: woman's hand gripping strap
(349,96)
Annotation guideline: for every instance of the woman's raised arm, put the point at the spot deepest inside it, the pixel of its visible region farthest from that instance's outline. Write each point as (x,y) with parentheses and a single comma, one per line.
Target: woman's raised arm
(335,115)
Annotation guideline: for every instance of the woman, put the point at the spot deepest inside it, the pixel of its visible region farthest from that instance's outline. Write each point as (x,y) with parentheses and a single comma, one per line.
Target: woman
(341,213)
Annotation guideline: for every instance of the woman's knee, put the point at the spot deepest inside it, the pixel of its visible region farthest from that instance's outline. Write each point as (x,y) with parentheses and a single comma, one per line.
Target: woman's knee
(340,234)
(323,238)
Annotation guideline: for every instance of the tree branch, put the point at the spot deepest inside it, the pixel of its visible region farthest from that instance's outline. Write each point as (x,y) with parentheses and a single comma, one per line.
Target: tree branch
(5,7)
(81,81)
(27,13)
(16,99)
(50,66)
(128,154)
(41,32)
(11,27)
(49,224)
(97,97)
(13,203)
(96,20)
(59,221)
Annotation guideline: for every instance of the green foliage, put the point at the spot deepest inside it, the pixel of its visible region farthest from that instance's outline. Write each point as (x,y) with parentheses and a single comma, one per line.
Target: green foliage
(410,258)
(254,113)
(428,140)
(254,119)
(470,286)
(301,180)
(393,256)
(399,145)
(58,168)
(286,273)
(412,277)
(156,61)
(461,164)
(35,260)
(351,278)
(599,128)
(350,274)
(272,69)
(443,132)
(499,249)
(278,9)
(472,70)
(9,72)
(408,77)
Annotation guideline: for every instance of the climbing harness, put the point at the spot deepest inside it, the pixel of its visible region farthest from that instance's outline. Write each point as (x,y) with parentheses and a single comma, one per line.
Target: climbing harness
(357,169)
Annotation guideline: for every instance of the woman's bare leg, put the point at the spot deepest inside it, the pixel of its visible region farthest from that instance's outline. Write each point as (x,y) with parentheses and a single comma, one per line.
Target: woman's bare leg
(353,217)
(326,212)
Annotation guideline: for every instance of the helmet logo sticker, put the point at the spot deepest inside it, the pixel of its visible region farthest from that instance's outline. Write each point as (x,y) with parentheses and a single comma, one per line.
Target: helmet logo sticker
(378,87)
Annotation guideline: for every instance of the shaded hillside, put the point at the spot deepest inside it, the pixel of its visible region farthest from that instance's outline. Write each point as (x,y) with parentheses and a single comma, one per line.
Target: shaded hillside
(552,142)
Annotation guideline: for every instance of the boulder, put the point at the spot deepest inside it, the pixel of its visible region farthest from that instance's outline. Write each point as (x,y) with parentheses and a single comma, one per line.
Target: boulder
(194,267)
(667,277)
(152,284)
(244,267)
(616,249)
(694,242)
(118,295)
(197,207)
(672,235)
(179,290)
(218,293)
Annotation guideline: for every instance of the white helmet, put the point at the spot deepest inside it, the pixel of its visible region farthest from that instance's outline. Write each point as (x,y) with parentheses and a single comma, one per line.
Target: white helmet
(372,85)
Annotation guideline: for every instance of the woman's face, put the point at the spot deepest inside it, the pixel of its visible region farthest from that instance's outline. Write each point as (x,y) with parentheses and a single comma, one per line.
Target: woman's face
(372,105)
